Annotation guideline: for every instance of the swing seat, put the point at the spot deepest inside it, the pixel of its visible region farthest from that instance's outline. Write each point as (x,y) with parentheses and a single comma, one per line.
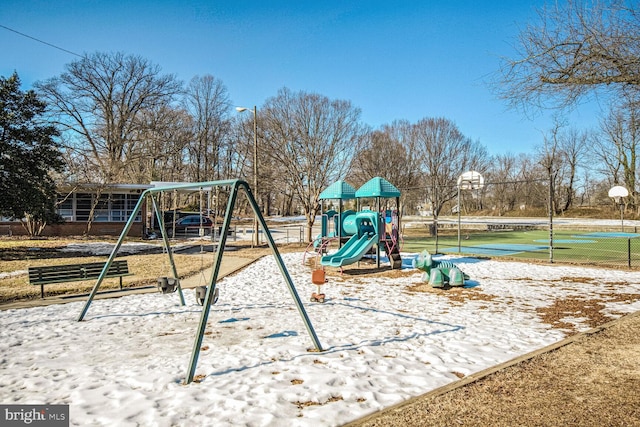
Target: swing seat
(167,285)
(201,294)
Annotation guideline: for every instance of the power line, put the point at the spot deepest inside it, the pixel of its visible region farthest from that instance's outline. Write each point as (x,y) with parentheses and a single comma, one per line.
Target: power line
(453,185)
(40,41)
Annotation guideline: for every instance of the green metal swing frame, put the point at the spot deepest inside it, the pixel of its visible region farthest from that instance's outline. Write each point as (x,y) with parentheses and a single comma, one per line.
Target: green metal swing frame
(235,186)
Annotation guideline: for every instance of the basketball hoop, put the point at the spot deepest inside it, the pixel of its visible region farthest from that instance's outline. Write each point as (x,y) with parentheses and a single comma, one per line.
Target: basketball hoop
(617,193)
(470,180)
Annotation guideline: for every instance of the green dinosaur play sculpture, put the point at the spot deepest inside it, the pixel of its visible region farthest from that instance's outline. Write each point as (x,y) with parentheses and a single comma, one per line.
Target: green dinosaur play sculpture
(439,273)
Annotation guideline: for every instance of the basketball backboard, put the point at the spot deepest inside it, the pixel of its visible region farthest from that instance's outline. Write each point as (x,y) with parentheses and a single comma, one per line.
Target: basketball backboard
(618,192)
(470,180)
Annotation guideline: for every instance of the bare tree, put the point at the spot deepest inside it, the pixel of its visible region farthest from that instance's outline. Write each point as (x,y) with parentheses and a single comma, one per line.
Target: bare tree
(573,147)
(243,139)
(577,48)
(390,152)
(551,161)
(208,102)
(535,191)
(446,153)
(165,137)
(384,152)
(275,189)
(561,156)
(505,182)
(313,138)
(605,157)
(98,101)
(620,146)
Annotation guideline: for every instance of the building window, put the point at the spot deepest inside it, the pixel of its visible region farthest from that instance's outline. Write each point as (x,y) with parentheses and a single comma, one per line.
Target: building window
(101,210)
(114,207)
(83,206)
(65,207)
(132,201)
(118,207)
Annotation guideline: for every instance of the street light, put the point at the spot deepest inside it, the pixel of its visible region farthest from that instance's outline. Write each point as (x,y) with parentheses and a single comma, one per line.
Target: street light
(256,238)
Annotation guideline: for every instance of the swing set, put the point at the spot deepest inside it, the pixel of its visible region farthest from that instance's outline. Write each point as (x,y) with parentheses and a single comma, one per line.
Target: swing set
(204,298)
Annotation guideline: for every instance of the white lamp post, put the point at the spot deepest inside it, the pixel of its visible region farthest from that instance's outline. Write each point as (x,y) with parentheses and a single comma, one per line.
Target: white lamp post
(617,193)
(256,237)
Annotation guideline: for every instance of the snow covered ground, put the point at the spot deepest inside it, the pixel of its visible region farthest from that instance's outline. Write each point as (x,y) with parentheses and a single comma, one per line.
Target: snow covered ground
(125,363)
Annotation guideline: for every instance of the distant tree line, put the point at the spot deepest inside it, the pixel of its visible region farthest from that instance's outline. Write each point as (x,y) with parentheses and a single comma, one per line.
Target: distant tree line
(116,118)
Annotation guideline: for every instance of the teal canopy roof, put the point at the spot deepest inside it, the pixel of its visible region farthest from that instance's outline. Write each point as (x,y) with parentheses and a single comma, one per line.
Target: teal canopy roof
(377,187)
(339,190)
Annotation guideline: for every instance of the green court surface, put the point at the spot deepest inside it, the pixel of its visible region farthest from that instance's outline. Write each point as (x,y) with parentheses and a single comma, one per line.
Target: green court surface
(495,249)
(612,248)
(611,234)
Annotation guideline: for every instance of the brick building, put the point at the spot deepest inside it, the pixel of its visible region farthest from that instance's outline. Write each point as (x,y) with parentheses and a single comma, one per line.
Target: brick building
(108,206)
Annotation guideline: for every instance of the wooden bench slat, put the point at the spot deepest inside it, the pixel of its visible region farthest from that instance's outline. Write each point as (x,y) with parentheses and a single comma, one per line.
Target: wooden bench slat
(76,272)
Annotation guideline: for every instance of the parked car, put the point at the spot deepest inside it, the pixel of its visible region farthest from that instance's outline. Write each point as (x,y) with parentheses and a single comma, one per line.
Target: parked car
(190,224)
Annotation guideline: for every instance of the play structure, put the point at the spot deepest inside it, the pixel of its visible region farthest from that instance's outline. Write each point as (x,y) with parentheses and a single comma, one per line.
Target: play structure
(208,296)
(439,274)
(361,231)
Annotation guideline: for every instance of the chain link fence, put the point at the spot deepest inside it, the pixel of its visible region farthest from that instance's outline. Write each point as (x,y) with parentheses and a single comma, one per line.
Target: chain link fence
(597,245)
(512,220)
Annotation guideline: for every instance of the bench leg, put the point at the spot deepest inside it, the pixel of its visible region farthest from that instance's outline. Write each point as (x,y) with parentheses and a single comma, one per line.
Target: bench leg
(120,282)
(41,291)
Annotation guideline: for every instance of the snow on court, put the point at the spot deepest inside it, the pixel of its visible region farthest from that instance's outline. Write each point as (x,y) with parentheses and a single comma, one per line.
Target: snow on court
(124,365)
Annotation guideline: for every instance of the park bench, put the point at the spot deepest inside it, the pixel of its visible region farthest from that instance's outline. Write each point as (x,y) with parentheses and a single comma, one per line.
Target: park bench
(75,272)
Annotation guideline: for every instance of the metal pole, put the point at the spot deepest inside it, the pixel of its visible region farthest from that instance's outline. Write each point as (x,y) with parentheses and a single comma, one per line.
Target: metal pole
(256,237)
(550,218)
(204,315)
(621,216)
(458,218)
(206,306)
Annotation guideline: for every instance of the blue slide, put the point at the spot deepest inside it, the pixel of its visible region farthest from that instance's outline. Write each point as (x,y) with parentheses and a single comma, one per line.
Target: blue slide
(351,252)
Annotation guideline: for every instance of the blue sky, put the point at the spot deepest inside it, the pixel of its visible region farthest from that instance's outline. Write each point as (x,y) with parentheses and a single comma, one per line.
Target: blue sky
(392,59)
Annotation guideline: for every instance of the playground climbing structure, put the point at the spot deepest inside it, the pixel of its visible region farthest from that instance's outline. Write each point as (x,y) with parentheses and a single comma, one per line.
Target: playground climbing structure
(362,231)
